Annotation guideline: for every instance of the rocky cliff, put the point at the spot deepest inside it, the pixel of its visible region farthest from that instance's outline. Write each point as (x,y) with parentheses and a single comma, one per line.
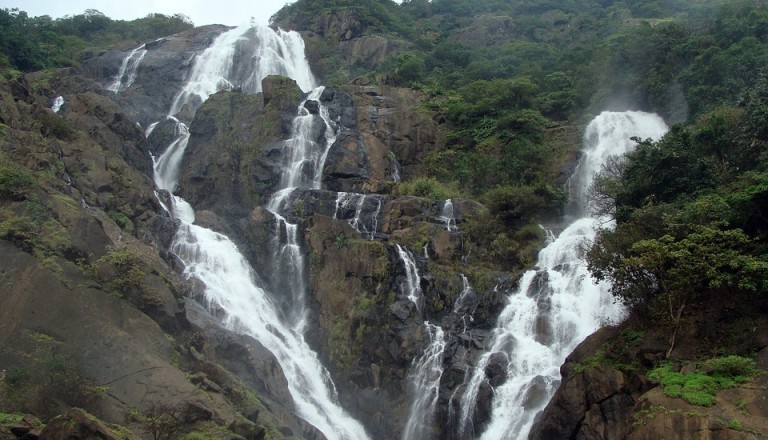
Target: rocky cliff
(92,234)
(98,313)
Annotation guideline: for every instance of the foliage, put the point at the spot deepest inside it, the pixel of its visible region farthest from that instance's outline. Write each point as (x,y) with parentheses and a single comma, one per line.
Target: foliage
(691,227)
(517,205)
(732,366)
(427,187)
(699,388)
(122,273)
(34,43)
(15,184)
(163,421)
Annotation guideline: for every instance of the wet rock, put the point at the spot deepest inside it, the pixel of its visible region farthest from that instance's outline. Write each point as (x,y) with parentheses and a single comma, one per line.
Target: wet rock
(312,106)
(496,370)
(537,393)
(347,164)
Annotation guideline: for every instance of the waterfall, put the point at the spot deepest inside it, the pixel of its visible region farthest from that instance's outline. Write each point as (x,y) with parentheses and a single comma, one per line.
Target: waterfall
(361,212)
(304,154)
(425,375)
(57,103)
(447,216)
(272,53)
(556,305)
(128,69)
(411,287)
(230,284)
(465,304)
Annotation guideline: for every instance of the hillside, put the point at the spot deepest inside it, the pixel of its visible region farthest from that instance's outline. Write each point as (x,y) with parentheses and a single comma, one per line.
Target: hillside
(195,254)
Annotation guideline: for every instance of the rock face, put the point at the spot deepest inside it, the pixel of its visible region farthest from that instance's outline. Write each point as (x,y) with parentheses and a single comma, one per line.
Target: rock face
(598,401)
(79,425)
(344,32)
(160,76)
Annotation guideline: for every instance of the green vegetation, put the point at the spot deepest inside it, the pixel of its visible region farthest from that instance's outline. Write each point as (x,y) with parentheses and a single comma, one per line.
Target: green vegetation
(15,184)
(691,218)
(699,388)
(428,187)
(34,43)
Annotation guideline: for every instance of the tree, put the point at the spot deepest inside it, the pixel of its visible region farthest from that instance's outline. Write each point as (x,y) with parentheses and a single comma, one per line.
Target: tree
(672,272)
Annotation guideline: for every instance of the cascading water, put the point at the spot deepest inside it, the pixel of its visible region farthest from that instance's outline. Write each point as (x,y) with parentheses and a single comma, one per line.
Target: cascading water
(57,103)
(231,287)
(128,70)
(427,369)
(361,212)
(425,375)
(412,284)
(558,304)
(304,157)
(447,216)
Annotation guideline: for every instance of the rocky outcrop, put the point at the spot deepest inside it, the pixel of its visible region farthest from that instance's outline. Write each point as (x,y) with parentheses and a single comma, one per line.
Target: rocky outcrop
(344,32)
(77,424)
(232,161)
(605,394)
(160,75)
(397,135)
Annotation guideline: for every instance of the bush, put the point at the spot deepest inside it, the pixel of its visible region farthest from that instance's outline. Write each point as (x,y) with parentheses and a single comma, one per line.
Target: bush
(15,184)
(733,366)
(47,385)
(517,205)
(427,187)
(698,388)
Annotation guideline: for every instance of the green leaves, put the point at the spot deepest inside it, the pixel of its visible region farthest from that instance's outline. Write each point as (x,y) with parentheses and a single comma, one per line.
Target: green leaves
(699,388)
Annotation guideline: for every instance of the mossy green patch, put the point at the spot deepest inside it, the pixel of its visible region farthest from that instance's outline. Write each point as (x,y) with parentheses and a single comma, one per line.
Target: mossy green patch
(698,387)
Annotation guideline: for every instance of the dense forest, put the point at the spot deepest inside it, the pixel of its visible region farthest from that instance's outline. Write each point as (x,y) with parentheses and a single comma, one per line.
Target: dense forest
(512,83)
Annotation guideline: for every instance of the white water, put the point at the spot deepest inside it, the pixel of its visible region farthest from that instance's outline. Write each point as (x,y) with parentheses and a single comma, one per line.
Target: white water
(57,103)
(304,156)
(424,378)
(365,222)
(305,152)
(557,305)
(447,216)
(128,69)
(462,307)
(273,53)
(411,287)
(231,287)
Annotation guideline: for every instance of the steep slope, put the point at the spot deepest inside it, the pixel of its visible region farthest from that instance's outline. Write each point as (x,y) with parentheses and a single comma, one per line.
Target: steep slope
(93,316)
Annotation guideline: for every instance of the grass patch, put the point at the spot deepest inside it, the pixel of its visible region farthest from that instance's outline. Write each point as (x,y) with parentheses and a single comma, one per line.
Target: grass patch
(427,187)
(699,387)
(10,418)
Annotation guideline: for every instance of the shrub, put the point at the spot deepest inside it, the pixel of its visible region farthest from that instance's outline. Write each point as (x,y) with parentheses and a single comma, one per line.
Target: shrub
(15,184)
(734,366)
(698,388)
(427,187)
